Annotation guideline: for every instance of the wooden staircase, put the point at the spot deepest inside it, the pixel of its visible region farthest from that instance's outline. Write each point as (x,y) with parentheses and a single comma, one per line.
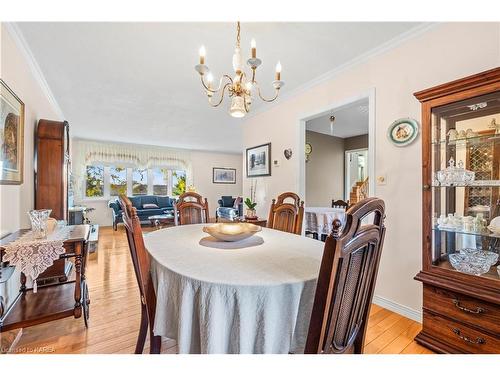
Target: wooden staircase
(358,192)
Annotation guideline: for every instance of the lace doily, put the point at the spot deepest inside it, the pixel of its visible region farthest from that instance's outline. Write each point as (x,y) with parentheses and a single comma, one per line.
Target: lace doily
(32,255)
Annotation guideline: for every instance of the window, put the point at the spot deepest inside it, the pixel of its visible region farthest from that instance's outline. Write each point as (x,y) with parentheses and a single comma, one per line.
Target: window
(178,182)
(117,181)
(160,181)
(139,181)
(107,182)
(94,181)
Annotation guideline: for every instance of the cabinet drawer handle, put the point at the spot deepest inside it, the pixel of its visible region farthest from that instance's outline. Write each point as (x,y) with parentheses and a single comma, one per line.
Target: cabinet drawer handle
(479,340)
(478,310)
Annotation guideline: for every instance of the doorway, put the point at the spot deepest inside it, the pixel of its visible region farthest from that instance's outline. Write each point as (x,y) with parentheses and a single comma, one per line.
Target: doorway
(354,127)
(356,170)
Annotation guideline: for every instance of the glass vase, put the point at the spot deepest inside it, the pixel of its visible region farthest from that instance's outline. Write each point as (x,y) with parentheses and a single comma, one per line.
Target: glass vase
(39,220)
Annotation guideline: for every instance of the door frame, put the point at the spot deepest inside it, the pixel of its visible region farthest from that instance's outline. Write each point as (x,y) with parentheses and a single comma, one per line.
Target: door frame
(347,189)
(370,95)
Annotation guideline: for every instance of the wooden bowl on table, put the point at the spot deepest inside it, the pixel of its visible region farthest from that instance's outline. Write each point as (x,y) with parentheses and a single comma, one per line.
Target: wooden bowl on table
(232,232)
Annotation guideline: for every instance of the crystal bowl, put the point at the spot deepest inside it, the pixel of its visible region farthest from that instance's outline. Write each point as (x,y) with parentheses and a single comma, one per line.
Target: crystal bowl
(489,256)
(232,232)
(470,264)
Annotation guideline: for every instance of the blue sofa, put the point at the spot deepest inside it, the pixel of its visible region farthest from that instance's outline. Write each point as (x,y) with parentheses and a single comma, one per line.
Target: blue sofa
(163,202)
(226,209)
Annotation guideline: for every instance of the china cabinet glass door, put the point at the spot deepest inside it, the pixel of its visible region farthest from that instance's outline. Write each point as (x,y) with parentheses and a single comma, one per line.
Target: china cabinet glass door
(466,185)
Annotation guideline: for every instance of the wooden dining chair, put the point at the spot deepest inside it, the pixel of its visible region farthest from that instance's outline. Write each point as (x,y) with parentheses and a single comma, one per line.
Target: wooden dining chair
(347,280)
(286,217)
(340,204)
(141,262)
(191,208)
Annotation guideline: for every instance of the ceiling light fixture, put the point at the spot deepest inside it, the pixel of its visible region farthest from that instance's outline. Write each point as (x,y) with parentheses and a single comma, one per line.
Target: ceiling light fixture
(332,119)
(240,88)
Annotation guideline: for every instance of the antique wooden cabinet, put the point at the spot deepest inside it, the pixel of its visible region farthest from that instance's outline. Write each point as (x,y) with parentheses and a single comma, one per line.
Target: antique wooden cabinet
(51,180)
(461,184)
(52,167)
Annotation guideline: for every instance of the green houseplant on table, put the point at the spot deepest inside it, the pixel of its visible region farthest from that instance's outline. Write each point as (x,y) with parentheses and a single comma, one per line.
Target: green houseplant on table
(251,203)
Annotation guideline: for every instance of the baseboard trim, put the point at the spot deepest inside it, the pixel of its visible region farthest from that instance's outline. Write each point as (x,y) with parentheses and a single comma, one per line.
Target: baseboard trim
(398,308)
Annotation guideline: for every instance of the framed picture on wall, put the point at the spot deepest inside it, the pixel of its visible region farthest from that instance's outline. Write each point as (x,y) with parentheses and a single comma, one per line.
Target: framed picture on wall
(259,160)
(224,175)
(11,137)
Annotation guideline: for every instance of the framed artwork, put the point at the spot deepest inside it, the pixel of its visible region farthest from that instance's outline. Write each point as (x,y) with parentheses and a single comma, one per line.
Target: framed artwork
(259,160)
(11,137)
(224,175)
(402,132)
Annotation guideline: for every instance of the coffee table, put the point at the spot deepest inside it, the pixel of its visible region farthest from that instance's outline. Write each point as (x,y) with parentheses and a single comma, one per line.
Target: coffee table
(163,219)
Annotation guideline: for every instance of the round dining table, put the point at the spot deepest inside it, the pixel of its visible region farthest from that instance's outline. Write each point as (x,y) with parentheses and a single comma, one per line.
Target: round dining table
(250,296)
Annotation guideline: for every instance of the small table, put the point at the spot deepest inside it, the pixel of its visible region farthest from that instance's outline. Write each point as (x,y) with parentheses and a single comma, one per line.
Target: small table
(163,219)
(69,298)
(319,220)
(259,221)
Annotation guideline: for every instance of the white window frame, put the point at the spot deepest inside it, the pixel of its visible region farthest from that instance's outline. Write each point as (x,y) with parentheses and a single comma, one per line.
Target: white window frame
(129,178)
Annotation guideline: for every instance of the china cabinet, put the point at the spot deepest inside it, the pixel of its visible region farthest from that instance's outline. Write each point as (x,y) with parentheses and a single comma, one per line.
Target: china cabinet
(461,215)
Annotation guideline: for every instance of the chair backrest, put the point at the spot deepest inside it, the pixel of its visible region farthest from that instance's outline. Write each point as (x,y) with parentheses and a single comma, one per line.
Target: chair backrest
(191,208)
(140,257)
(286,217)
(347,280)
(340,204)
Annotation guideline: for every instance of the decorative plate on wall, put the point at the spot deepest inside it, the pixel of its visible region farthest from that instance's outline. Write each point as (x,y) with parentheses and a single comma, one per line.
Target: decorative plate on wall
(402,132)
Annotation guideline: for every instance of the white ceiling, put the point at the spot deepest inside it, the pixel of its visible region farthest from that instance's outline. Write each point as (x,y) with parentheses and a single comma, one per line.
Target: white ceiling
(135,82)
(350,120)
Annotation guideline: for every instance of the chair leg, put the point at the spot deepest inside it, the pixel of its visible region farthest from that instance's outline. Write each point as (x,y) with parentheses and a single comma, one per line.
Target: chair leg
(143,330)
(154,343)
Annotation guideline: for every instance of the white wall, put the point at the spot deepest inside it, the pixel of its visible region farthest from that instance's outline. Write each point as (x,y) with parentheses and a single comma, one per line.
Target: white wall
(17,200)
(202,164)
(443,53)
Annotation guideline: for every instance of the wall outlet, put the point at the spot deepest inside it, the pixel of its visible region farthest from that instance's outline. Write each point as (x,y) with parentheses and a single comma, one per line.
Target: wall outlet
(381,180)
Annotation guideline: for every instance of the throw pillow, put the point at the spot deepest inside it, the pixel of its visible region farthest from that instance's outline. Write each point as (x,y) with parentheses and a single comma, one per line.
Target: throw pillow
(227,201)
(149,205)
(237,202)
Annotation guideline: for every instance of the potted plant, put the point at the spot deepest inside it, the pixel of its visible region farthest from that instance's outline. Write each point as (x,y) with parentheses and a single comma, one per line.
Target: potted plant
(250,203)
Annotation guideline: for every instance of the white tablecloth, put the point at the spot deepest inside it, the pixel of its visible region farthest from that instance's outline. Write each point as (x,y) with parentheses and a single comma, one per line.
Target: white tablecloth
(253,296)
(320,219)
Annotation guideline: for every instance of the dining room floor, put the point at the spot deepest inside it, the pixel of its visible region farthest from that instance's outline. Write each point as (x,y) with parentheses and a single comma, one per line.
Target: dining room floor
(115,314)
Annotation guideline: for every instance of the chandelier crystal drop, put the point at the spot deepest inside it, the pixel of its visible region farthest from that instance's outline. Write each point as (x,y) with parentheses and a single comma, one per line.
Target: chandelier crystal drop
(239,87)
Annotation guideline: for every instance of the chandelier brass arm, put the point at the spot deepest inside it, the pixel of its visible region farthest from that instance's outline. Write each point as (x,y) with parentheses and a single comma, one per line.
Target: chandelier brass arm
(221,96)
(220,83)
(277,90)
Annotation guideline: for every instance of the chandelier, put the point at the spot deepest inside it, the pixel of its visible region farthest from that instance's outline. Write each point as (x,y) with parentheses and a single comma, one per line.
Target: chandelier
(240,88)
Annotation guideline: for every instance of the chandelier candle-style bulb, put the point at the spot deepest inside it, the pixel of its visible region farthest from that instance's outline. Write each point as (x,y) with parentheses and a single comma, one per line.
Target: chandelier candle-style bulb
(203,52)
(278,71)
(210,79)
(254,48)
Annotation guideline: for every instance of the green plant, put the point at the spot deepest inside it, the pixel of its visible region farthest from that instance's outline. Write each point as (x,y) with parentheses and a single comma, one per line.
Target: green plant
(250,205)
(180,185)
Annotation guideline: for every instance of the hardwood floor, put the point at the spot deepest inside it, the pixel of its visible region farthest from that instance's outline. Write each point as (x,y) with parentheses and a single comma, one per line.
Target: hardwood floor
(115,314)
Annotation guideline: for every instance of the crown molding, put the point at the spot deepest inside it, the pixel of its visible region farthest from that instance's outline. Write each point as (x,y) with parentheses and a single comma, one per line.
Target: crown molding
(363,58)
(21,43)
